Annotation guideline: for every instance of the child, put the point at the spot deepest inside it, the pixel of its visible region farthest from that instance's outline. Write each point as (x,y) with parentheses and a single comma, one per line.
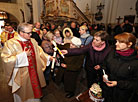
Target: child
(68,35)
(57,37)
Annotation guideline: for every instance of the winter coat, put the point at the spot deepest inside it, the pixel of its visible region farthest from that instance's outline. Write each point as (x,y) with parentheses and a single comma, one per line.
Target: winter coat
(124,70)
(93,57)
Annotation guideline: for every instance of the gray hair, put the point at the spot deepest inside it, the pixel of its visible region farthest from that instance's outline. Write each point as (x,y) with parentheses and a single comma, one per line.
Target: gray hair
(22,26)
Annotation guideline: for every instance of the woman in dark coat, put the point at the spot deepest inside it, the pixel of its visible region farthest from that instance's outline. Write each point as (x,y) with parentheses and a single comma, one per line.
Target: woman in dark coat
(96,52)
(121,67)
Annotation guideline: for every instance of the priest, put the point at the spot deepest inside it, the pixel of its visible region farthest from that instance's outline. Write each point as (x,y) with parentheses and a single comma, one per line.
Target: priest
(24,62)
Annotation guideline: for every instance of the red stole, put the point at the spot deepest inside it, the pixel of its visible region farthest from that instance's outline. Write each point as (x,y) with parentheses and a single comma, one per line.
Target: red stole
(10,35)
(32,68)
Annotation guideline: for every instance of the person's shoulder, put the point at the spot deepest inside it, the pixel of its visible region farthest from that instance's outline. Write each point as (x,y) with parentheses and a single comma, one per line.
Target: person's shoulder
(33,40)
(90,37)
(34,29)
(12,41)
(34,33)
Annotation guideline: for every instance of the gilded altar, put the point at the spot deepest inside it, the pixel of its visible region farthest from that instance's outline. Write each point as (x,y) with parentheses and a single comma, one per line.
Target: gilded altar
(63,10)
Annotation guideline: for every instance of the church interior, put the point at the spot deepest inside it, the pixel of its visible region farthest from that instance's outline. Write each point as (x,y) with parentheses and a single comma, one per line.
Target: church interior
(104,14)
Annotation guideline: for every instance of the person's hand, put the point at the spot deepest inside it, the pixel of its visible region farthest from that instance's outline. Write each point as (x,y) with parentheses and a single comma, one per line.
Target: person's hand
(27,51)
(105,79)
(51,58)
(111,83)
(63,65)
(97,67)
(82,45)
(64,52)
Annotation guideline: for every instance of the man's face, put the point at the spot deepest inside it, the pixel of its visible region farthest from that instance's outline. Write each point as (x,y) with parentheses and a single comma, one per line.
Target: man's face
(10,29)
(26,34)
(73,25)
(37,25)
(97,41)
(52,26)
(6,28)
(126,21)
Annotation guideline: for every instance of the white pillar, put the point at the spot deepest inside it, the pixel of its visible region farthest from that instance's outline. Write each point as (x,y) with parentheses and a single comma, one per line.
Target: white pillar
(37,10)
(114,11)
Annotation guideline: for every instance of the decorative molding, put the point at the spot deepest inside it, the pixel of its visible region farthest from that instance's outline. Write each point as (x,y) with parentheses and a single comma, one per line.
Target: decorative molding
(22,15)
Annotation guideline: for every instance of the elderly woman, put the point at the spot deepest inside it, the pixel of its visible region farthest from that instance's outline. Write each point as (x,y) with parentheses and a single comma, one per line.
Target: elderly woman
(121,67)
(70,69)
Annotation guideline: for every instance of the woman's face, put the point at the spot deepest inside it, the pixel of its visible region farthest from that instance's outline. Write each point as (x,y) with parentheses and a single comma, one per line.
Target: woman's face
(82,31)
(122,46)
(68,34)
(97,41)
(44,31)
(72,45)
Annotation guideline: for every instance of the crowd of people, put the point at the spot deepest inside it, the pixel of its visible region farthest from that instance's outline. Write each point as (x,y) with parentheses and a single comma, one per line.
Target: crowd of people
(30,51)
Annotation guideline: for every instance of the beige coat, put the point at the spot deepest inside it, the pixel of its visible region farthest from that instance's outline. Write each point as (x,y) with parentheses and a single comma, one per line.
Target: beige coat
(11,49)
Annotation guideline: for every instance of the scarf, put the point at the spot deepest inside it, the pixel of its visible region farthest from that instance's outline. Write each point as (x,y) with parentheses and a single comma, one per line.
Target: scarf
(85,35)
(125,53)
(98,48)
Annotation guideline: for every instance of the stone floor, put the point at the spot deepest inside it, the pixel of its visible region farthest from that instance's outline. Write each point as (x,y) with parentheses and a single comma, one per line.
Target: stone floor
(52,93)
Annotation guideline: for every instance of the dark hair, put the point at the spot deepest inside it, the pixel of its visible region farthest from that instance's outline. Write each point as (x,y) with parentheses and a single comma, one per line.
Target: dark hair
(46,29)
(67,31)
(102,34)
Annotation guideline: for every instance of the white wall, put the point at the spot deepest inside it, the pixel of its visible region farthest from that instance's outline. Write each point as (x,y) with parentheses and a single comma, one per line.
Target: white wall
(11,9)
(112,10)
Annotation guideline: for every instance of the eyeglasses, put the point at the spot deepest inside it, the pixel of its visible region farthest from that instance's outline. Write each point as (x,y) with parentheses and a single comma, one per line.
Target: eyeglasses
(27,32)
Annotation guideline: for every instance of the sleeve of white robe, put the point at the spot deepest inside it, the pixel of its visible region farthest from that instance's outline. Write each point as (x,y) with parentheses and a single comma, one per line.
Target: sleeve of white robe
(21,61)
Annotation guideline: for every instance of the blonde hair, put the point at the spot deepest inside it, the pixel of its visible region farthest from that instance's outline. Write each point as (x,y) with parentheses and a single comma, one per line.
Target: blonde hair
(49,35)
(56,30)
(84,27)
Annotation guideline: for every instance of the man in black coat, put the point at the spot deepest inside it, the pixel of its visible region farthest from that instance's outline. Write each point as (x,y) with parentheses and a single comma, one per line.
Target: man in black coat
(74,29)
(36,37)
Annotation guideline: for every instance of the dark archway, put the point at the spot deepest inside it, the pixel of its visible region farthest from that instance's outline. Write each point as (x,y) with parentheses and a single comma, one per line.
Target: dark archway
(11,18)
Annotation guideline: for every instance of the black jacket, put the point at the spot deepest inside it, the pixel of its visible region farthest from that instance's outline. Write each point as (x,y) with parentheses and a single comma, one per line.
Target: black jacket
(124,70)
(36,37)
